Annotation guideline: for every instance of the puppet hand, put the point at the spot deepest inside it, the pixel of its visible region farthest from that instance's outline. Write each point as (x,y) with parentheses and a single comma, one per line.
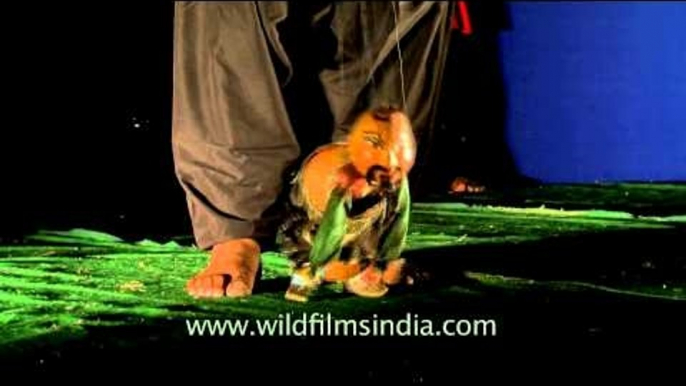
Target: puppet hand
(394,272)
(303,284)
(339,271)
(368,283)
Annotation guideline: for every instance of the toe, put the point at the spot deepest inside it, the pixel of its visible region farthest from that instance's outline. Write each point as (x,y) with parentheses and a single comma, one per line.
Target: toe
(205,286)
(237,288)
(192,287)
(216,286)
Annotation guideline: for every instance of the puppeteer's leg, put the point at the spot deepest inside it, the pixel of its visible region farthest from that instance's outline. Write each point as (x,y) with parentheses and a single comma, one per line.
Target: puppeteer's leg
(232,139)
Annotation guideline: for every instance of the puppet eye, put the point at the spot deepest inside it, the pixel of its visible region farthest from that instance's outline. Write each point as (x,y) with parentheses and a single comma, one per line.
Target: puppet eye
(374,139)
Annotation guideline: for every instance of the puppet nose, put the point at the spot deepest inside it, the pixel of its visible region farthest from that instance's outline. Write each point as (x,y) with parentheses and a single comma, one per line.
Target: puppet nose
(393,162)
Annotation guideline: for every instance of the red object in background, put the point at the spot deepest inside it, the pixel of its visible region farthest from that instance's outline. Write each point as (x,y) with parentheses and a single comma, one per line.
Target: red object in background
(461,19)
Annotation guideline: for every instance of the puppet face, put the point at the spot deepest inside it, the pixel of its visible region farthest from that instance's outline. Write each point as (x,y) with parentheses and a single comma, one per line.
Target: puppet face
(382,147)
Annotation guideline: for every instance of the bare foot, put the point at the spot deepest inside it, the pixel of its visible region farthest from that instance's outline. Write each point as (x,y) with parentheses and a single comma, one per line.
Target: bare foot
(461,185)
(231,271)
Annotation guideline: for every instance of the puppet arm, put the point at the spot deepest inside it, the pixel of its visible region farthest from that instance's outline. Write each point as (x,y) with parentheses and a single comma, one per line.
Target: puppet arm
(327,244)
(328,240)
(371,282)
(394,238)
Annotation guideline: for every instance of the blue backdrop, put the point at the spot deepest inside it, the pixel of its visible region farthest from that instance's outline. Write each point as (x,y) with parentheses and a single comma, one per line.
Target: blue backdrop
(597,91)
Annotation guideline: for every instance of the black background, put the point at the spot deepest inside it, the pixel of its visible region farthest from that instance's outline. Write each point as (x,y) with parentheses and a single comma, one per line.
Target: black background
(90,121)
(88,93)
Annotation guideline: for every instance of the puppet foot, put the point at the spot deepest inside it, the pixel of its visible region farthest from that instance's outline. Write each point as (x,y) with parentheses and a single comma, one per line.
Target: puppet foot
(368,283)
(303,284)
(235,260)
(340,271)
(394,272)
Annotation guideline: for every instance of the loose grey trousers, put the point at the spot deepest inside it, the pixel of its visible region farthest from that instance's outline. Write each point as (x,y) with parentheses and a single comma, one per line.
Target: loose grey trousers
(234,133)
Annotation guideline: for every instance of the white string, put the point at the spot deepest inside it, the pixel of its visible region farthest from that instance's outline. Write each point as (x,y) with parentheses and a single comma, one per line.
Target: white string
(400,57)
(369,55)
(341,45)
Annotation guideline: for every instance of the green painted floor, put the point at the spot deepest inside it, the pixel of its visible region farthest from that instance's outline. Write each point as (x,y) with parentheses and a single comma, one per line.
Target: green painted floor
(553,264)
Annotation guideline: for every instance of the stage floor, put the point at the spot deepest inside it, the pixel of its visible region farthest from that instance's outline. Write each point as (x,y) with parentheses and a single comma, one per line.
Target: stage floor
(554,266)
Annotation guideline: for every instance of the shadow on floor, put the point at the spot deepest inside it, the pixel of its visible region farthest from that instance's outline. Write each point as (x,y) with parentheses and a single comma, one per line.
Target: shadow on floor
(641,256)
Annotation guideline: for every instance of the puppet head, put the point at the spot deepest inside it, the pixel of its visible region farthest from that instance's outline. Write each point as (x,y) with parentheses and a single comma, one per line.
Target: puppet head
(382,147)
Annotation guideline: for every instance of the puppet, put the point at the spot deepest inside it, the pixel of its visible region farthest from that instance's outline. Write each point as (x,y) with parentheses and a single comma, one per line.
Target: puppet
(350,209)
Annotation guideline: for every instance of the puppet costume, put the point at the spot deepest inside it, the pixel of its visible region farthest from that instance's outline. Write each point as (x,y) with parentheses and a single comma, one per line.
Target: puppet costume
(350,208)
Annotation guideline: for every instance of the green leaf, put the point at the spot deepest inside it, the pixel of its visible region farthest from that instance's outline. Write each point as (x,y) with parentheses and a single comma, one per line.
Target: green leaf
(329,238)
